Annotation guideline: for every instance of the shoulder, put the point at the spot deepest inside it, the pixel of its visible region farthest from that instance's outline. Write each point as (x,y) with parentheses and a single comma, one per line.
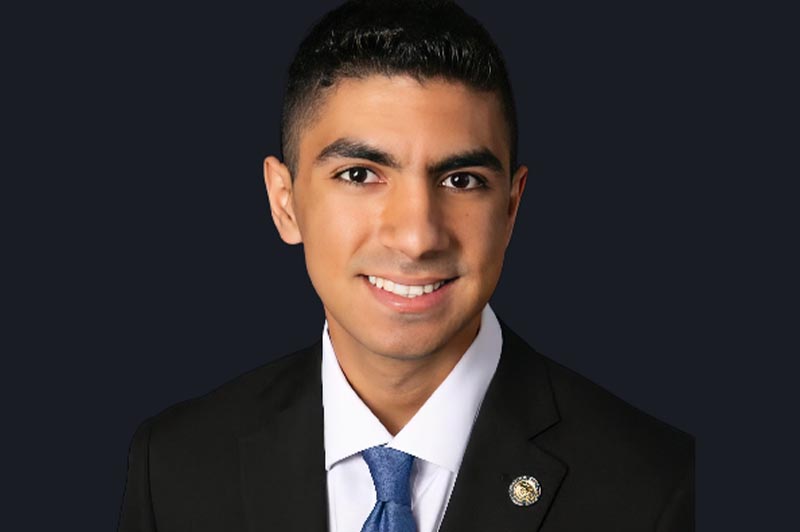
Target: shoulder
(607,422)
(236,406)
(601,436)
(620,461)
(190,453)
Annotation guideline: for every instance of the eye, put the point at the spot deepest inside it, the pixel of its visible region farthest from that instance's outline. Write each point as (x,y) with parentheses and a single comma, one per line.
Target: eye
(357,175)
(463,181)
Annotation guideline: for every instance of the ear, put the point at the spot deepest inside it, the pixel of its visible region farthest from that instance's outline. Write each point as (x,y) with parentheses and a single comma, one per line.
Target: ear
(518,181)
(279,191)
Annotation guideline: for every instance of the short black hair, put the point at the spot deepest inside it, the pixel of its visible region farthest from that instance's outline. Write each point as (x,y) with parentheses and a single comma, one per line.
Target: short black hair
(423,39)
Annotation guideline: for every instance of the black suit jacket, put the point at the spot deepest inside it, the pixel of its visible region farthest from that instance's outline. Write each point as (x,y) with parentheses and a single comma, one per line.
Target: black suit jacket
(249,457)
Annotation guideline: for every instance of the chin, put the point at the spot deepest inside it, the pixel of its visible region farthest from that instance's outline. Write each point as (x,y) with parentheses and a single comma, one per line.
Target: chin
(408,347)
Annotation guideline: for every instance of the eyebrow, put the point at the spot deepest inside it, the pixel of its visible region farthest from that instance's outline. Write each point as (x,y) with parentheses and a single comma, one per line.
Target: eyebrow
(482,157)
(352,149)
(348,148)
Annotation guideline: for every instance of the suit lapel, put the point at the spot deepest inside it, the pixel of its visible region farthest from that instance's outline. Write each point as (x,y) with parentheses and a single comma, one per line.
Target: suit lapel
(518,406)
(282,459)
(282,449)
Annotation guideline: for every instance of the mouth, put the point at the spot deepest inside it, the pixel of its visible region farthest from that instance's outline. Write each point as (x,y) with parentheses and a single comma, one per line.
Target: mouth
(409,291)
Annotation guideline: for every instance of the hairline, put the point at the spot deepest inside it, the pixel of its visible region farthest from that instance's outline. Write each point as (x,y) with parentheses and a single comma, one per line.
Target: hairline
(314,99)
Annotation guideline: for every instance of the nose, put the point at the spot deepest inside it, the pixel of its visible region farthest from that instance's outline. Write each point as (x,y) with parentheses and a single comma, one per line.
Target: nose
(412,220)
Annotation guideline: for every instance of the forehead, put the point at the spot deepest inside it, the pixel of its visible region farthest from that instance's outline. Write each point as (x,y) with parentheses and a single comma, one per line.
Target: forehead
(415,121)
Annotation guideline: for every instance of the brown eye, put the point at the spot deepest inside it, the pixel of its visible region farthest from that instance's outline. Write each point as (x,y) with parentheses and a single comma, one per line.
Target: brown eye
(462,181)
(358,175)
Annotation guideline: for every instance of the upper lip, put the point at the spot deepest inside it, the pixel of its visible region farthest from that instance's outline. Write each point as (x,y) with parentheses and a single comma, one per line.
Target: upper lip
(408,281)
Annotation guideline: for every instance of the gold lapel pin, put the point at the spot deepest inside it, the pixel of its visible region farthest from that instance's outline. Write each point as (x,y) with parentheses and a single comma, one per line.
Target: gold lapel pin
(524,491)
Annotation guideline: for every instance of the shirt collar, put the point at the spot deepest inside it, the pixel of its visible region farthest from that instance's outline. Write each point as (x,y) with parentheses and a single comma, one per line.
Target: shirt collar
(438,432)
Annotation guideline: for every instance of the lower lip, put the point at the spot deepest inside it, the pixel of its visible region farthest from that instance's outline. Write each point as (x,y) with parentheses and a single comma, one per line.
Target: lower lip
(418,304)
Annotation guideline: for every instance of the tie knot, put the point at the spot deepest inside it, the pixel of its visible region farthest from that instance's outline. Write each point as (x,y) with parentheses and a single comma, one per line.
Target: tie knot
(391,471)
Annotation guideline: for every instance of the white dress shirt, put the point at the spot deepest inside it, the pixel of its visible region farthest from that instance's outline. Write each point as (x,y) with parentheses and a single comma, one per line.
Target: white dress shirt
(437,434)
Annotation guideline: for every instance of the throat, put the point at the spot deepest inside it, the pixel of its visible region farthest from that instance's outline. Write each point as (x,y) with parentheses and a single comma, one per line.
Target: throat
(393,387)
(394,395)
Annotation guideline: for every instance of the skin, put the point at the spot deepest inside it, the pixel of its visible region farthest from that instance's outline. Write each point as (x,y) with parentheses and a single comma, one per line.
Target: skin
(408,221)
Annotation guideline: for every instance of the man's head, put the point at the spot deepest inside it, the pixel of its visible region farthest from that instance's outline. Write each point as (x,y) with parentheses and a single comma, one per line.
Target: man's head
(422,39)
(399,189)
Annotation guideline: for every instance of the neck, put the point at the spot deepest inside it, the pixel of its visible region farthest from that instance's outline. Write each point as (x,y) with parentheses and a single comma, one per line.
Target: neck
(395,388)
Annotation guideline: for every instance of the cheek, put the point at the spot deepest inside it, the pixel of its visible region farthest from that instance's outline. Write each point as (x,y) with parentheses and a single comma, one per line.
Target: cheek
(483,237)
(331,232)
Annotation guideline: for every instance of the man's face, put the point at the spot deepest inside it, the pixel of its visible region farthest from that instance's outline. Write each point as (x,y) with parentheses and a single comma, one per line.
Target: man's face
(403,189)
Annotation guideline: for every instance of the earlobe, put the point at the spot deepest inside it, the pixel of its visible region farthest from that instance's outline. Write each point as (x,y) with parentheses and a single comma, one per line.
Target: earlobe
(279,192)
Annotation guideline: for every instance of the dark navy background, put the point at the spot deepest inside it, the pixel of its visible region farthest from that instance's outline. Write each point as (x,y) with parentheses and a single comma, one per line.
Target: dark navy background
(650,254)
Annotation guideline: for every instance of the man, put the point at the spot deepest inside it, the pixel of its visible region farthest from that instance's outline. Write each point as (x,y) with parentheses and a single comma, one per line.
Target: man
(418,410)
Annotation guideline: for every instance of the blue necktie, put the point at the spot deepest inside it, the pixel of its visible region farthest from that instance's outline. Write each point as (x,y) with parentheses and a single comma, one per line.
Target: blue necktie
(390,471)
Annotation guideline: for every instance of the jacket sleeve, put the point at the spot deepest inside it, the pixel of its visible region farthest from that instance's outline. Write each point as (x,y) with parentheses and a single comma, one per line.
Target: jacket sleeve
(678,513)
(137,507)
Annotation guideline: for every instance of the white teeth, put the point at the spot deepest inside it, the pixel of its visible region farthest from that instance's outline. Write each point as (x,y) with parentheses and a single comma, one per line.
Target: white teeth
(409,291)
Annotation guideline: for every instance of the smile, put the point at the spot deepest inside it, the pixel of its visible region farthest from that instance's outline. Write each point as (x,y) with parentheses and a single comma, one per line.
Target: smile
(409,291)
